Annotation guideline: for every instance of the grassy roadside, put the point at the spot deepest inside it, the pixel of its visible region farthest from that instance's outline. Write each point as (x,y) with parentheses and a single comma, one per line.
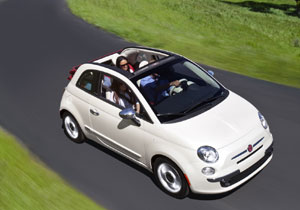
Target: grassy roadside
(27,184)
(259,38)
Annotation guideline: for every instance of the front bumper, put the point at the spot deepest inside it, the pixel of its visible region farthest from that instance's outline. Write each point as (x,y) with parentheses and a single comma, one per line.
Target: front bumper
(230,171)
(237,176)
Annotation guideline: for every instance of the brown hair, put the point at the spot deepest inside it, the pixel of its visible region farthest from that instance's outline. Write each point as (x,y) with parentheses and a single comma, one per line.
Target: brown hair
(115,86)
(119,59)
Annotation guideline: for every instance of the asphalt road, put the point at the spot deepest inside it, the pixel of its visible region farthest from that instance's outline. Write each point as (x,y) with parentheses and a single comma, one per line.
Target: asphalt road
(40,41)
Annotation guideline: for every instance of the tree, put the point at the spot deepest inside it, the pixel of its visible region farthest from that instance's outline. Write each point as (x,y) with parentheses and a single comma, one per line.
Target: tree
(298,7)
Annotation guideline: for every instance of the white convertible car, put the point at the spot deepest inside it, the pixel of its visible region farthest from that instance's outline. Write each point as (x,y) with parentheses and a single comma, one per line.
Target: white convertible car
(170,116)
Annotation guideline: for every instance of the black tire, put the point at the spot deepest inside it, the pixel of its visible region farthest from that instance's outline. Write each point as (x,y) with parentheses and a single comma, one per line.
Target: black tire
(72,128)
(173,181)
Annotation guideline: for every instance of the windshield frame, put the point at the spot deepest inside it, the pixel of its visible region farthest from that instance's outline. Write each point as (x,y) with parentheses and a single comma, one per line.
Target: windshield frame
(166,63)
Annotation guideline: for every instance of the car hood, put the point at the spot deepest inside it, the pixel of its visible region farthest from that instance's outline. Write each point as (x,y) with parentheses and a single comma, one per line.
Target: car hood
(221,125)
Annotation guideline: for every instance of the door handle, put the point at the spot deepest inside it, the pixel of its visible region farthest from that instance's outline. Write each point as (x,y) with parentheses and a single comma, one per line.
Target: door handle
(94,112)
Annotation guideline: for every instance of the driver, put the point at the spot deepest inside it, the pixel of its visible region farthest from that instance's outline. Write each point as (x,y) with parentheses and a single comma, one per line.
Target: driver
(155,88)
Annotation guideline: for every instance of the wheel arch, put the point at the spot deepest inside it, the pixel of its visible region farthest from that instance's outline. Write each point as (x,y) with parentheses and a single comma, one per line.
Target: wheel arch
(175,156)
(155,157)
(61,113)
(74,115)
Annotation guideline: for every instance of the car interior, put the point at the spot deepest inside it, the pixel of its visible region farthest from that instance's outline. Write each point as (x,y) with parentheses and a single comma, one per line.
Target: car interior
(135,57)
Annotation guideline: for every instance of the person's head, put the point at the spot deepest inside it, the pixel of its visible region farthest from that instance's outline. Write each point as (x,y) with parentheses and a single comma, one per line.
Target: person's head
(122,63)
(118,86)
(122,87)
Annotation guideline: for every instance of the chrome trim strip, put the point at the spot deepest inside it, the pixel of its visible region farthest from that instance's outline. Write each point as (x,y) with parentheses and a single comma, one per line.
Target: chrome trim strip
(249,155)
(239,154)
(246,150)
(258,141)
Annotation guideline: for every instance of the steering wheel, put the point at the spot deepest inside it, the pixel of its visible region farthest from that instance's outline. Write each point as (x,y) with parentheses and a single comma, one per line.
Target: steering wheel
(184,83)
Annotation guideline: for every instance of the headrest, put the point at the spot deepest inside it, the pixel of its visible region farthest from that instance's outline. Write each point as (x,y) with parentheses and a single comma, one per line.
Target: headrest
(143,63)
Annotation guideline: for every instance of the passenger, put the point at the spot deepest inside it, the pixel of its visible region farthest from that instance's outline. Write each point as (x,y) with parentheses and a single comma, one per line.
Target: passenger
(123,97)
(122,63)
(86,85)
(155,89)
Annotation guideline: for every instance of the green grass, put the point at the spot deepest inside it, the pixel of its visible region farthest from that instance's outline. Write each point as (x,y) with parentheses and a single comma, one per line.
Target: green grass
(26,184)
(260,39)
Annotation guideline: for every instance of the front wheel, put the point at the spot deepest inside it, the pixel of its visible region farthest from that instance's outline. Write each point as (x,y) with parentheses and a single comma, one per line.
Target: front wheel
(72,129)
(170,178)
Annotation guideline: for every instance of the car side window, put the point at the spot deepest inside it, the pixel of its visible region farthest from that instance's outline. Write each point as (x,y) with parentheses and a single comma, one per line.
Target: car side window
(118,93)
(89,81)
(105,83)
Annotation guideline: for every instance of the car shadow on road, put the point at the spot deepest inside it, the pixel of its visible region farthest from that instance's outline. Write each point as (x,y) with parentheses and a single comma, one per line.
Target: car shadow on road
(150,175)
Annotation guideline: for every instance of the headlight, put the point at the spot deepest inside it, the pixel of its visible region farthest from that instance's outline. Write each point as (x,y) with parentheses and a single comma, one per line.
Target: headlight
(263,120)
(208,154)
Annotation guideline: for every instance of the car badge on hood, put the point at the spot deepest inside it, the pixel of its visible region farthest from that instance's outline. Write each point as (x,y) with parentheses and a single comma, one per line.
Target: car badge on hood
(250,148)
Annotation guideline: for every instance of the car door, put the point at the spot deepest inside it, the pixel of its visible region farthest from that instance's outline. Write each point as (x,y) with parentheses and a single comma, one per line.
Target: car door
(85,89)
(119,134)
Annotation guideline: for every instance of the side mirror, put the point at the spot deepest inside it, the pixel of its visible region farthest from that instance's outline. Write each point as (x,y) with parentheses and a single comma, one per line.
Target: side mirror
(129,114)
(211,73)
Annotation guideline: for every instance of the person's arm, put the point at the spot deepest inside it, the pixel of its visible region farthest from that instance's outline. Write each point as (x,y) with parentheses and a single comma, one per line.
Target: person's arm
(137,107)
(167,85)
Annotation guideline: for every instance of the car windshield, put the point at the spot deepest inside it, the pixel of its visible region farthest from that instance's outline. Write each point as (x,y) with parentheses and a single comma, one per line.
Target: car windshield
(179,88)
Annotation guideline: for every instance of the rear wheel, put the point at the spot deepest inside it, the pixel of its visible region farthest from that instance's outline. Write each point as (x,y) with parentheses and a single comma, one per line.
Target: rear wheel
(72,128)
(170,178)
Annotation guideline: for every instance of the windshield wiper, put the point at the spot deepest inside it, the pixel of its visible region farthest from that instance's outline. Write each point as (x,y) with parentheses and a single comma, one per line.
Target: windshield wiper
(171,114)
(202,103)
